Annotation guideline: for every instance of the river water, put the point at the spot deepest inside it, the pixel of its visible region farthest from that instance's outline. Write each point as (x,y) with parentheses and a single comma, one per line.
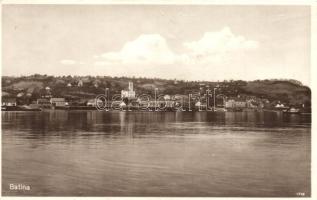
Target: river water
(92,153)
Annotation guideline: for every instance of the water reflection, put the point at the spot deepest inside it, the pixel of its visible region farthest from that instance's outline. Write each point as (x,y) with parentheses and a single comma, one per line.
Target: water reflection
(128,122)
(93,153)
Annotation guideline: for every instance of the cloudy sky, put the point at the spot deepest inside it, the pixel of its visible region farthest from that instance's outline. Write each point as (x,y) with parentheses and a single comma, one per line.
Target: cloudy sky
(181,41)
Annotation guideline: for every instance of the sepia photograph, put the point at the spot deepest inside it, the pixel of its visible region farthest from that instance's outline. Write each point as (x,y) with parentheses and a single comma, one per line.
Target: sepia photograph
(156,100)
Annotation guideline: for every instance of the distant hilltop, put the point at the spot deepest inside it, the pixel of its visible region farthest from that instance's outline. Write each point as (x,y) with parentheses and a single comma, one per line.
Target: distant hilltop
(71,87)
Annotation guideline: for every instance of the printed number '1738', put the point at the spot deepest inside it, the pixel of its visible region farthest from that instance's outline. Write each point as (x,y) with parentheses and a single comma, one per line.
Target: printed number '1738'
(300,194)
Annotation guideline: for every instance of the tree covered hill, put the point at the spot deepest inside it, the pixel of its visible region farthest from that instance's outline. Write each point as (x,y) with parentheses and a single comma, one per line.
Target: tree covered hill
(72,87)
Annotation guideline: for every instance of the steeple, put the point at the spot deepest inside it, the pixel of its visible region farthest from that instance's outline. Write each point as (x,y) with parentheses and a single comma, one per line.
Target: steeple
(130,86)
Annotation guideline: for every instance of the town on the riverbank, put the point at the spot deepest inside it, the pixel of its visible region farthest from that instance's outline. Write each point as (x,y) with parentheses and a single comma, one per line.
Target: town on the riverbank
(208,97)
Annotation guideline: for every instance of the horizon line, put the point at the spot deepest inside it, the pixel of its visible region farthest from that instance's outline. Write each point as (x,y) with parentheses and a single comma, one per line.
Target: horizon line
(175,79)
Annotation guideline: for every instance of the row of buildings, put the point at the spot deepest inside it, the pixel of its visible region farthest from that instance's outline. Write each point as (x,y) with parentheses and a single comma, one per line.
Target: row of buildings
(129,98)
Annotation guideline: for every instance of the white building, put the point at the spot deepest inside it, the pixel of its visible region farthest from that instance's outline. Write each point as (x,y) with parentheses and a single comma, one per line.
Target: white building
(80,83)
(58,102)
(130,94)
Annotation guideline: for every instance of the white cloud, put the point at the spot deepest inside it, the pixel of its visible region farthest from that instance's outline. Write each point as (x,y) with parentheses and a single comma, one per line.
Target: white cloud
(152,49)
(217,46)
(146,49)
(68,62)
(222,41)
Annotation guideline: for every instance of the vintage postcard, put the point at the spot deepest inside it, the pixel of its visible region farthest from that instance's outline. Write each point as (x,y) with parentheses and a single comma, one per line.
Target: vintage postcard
(127,99)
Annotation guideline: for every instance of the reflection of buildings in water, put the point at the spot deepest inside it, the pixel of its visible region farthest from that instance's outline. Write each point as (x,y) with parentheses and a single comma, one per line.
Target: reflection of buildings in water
(26,120)
(154,117)
(78,120)
(58,119)
(239,117)
(9,116)
(95,121)
(126,123)
(146,122)
(58,116)
(169,117)
(279,116)
(91,117)
(235,117)
(254,118)
(200,116)
(259,116)
(294,118)
(216,117)
(272,118)
(179,116)
(130,122)
(291,118)
(102,121)
(264,118)
(230,116)
(122,121)
(251,117)
(209,117)
(98,117)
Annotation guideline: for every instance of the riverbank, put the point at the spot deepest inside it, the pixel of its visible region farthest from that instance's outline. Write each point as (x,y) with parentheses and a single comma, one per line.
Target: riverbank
(151,109)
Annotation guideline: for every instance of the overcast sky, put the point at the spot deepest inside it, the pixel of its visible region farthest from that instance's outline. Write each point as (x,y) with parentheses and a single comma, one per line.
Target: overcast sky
(184,42)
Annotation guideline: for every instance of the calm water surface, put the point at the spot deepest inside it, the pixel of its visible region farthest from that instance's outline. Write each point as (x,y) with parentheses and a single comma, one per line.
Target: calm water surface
(91,153)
